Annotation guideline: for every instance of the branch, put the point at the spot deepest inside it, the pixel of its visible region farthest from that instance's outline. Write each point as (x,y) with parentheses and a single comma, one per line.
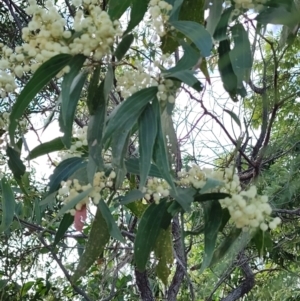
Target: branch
(180,265)
(246,286)
(64,270)
(144,286)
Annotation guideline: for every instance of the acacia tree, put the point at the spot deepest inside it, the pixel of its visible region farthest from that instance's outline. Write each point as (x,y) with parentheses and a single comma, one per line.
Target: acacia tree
(151,223)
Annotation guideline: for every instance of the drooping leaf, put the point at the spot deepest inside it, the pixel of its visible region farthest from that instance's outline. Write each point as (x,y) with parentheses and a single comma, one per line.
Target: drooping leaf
(233,116)
(63,171)
(138,10)
(188,60)
(196,33)
(113,229)
(117,8)
(124,46)
(163,251)
(131,196)
(93,91)
(41,77)
(8,205)
(66,119)
(98,238)
(46,148)
(148,232)
(132,166)
(263,242)
(187,77)
(214,16)
(213,220)
(147,134)
(228,76)
(241,55)
(64,225)
(75,64)
(220,33)
(119,145)
(15,163)
(72,203)
(97,120)
(160,155)
(176,6)
(129,109)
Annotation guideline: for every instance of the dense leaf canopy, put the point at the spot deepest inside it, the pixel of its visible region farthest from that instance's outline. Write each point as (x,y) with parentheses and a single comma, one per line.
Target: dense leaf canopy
(167,159)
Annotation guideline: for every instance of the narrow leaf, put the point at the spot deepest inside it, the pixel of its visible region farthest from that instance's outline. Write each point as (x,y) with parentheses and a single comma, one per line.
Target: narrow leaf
(225,246)
(228,76)
(129,109)
(97,120)
(64,225)
(41,77)
(163,251)
(138,10)
(196,33)
(185,197)
(186,77)
(75,64)
(241,55)
(15,163)
(188,60)
(213,220)
(98,238)
(147,135)
(233,116)
(132,166)
(160,155)
(63,171)
(148,232)
(131,196)
(214,16)
(116,8)
(279,15)
(8,205)
(124,46)
(113,229)
(66,119)
(221,30)
(210,196)
(46,148)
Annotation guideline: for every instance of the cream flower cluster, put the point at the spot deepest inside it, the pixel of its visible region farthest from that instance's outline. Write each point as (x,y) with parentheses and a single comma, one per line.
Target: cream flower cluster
(240,5)
(47,35)
(166,90)
(159,11)
(134,80)
(71,188)
(77,146)
(4,121)
(156,189)
(193,177)
(247,209)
